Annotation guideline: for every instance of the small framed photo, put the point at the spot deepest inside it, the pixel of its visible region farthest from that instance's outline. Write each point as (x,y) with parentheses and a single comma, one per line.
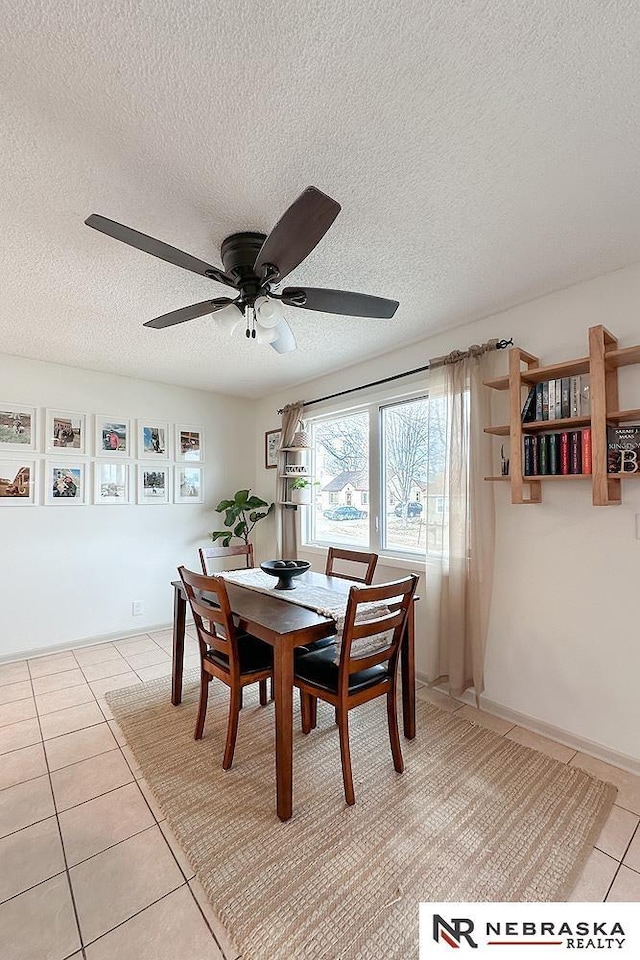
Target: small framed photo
(18,483)
(153,484)
(189,444)
(153,440)
(111,483)
(18,427)
(272,441)
(113,437)
(187,484)
(66,483)
(66,431)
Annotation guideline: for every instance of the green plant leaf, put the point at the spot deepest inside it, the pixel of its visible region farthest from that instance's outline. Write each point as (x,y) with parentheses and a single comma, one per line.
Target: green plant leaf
(241,497)
(240,529)
(224,505)
(254,502)
(219,534)
(230,517)
(254,516)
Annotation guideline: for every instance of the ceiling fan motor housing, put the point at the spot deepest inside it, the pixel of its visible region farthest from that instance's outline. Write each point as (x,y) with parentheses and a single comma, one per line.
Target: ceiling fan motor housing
(239,253)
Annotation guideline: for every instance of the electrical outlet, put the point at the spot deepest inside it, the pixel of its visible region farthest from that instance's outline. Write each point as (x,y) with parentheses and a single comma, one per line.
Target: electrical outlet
(137,608)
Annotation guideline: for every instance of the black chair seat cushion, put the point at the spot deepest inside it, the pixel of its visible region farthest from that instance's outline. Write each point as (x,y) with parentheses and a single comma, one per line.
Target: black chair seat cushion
(254,654)
(320,668)
(312,647)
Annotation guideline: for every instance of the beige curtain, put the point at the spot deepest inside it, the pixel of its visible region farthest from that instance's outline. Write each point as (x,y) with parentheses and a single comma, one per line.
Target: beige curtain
(287,517)
(460,521)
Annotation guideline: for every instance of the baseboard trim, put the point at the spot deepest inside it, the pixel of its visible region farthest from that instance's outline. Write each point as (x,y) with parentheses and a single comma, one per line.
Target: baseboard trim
(84,642)
(582,744)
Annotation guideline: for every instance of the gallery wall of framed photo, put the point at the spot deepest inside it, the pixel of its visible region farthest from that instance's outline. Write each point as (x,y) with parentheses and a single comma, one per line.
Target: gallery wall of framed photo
(62,458)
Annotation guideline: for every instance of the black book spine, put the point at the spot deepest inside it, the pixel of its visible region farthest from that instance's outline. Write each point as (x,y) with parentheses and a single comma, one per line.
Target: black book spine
(554,453)
(543,453)
(529,409)
(528,456)
(539,391)
(575,451)
(535,456)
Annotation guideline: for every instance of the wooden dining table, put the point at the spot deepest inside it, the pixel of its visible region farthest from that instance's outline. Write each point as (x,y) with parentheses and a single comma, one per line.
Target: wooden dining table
(284,626)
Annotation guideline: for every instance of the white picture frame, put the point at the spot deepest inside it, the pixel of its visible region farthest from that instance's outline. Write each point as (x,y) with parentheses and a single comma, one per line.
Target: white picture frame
(189,444)
(109,432)
(18,482)
(65,483)
(18,427)
(111,483)
(150,489)
(188,480)
(65,432)
(153,439)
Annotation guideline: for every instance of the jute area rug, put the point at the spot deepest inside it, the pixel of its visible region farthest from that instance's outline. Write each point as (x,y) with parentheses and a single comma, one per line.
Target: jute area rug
(473,817)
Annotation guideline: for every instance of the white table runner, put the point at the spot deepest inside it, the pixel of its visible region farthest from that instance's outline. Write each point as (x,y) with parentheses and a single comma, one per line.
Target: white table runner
(328,603)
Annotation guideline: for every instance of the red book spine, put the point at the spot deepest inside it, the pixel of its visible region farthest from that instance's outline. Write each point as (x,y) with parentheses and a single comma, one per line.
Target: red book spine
(586,450)
(564,453)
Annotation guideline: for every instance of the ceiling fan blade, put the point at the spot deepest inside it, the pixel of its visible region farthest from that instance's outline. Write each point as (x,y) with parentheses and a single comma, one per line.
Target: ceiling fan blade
(297,232)
(286,342)
(157,248)
(188,313)
(339,301)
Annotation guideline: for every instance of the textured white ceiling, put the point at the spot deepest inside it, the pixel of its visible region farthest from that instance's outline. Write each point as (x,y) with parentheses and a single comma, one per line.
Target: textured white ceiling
(484,153)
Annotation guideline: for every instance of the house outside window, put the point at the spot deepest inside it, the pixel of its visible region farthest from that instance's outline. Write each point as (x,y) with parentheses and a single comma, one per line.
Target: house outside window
(380,502)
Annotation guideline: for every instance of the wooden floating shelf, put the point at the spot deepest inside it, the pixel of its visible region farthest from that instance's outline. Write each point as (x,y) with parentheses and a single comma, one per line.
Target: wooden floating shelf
(622,358)
(501,431)
(498,383)
(566,423)
(570,368)
(294,476)
(622,476)
(498,478)
(622,416)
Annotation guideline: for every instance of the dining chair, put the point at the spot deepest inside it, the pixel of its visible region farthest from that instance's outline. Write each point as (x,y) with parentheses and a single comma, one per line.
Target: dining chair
(352,556)
(362,671)
(233,656)
(207,554)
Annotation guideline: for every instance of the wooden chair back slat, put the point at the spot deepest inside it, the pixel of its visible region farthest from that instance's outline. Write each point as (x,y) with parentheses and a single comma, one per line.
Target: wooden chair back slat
(351,556)
(399,594)
(208,554)
(207,616)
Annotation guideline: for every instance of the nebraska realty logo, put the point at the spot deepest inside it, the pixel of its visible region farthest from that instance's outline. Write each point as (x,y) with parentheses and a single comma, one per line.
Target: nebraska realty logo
(538,926)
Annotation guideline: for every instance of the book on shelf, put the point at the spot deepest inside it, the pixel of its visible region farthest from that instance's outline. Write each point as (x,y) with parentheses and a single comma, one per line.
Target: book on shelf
(552,400)
(623,449)
(564,452)
(562,399)
(529,408)
(586,451)
(554,453)
(575,451)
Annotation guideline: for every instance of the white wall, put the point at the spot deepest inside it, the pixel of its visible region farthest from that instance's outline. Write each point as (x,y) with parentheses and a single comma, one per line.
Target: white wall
(72,572)
(563,644)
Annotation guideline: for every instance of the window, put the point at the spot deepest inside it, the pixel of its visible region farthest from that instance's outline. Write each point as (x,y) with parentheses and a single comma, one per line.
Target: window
(404,464)
(340,466)
(382,503)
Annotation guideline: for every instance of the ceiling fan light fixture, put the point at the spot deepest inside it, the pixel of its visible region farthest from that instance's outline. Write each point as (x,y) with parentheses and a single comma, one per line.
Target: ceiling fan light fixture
(230,319)
(266,334)
(268,312)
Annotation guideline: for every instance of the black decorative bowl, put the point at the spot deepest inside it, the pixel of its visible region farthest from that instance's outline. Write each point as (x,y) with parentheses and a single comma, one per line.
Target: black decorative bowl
(285,570)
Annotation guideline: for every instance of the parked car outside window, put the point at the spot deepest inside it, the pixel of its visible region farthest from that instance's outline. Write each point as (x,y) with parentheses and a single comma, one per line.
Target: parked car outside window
(344,513)
(411,509)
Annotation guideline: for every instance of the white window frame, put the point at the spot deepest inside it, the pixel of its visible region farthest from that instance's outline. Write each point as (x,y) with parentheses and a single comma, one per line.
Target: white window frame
(373,408)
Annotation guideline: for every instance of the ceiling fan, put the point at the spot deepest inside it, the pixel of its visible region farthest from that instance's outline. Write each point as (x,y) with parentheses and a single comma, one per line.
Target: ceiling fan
(253,264)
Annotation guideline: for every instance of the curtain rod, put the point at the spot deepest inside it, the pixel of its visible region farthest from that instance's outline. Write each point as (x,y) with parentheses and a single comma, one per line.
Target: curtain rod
(500,345)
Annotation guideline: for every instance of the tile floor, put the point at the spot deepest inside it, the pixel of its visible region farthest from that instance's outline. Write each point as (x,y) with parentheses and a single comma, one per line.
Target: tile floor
(85,849)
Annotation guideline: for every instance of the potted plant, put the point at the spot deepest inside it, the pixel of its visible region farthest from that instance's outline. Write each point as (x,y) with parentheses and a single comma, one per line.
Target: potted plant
(299,490)
(240,516)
